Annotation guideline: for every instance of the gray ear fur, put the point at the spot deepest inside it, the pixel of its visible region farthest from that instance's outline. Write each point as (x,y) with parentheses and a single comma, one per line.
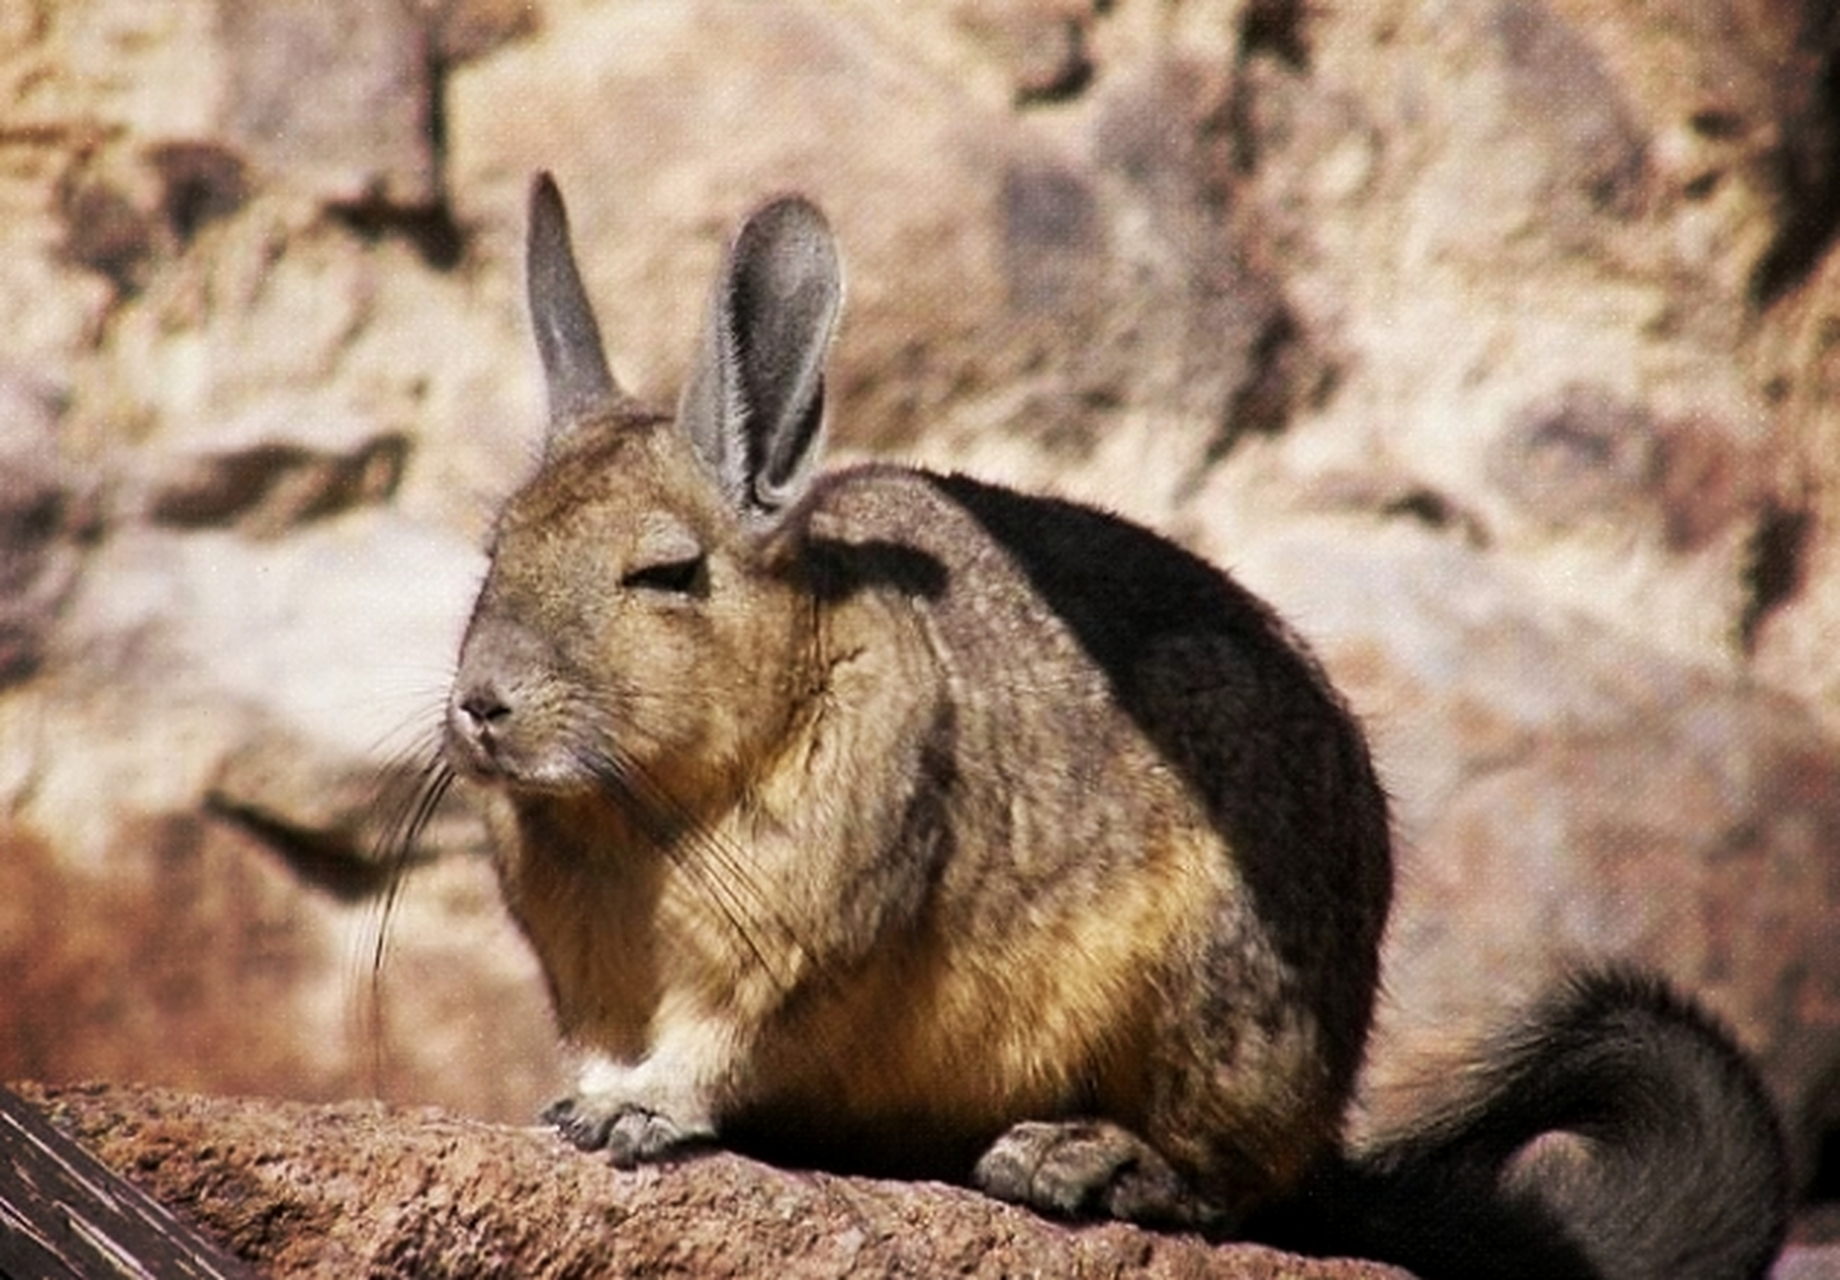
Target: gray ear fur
(568,338)
(754,402)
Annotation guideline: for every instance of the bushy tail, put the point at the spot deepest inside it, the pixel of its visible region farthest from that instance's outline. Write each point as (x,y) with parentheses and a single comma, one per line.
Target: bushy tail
(1617,1133)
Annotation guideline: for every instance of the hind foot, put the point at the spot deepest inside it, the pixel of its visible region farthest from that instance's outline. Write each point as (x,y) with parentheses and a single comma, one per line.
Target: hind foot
(1087,1169)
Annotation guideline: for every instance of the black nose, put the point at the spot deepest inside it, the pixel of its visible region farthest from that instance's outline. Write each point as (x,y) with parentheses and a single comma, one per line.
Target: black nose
(485,707)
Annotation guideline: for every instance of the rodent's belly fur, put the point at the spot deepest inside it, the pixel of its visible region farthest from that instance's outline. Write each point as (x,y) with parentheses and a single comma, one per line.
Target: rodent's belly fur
(971,1030)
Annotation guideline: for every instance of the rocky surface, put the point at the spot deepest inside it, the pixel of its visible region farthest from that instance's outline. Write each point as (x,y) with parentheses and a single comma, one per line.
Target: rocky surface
(361,1189)
(1494,342)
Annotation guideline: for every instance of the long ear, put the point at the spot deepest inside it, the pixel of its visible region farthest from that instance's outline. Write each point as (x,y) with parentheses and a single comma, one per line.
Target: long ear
(754,402)
(569,340)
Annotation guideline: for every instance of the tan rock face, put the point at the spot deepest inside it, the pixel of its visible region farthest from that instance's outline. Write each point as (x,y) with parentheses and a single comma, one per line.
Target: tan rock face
(1494,343)
(359,1189)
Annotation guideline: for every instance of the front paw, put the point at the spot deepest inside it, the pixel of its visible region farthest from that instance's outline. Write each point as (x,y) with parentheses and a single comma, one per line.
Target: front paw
(585,1127)
(631,1135)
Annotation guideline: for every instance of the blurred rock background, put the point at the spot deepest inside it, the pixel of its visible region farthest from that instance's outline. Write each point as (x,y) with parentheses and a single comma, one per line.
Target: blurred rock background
(1494,341)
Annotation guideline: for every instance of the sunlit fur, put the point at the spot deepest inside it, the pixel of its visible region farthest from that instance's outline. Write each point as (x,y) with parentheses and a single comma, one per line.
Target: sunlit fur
(899,821)
(819,842)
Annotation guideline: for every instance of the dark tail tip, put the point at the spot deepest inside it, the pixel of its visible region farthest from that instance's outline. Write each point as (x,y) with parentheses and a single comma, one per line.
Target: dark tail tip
(1616,1132)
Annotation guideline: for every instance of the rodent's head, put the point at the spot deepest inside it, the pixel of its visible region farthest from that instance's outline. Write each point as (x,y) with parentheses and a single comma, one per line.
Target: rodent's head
(639,631)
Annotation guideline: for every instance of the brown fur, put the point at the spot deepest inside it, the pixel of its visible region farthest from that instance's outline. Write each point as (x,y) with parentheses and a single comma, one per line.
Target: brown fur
(900,821)
(895,814)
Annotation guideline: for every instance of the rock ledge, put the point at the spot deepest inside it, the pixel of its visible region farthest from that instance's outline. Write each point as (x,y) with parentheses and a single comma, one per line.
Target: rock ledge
(365,1189)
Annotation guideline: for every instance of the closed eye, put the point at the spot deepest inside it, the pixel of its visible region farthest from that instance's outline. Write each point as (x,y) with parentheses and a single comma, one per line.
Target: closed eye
(676,577)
